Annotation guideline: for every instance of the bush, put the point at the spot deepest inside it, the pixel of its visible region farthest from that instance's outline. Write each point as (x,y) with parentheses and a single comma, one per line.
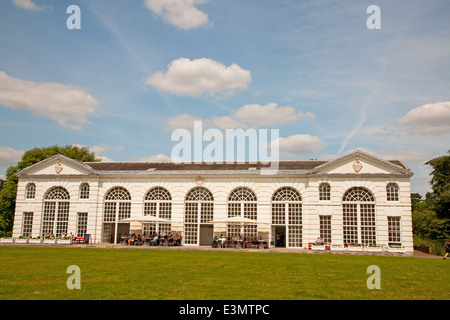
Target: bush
(437,245)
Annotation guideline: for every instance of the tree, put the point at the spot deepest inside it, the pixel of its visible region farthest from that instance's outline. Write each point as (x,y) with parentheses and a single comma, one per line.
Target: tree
(440,184)
(426,223)
(8,191)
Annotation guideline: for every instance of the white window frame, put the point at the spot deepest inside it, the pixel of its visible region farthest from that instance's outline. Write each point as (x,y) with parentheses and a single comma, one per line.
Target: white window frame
(158,203)
(198,210)
(354,201)
(287,210)
(242,202)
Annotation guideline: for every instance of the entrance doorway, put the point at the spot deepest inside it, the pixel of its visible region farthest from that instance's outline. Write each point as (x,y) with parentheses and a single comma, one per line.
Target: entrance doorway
(206,234)
(279,236)
(109,231)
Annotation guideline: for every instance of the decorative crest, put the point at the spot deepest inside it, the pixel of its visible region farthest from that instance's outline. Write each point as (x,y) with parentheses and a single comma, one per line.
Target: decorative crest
(199,181)
(357,166)
(58,167)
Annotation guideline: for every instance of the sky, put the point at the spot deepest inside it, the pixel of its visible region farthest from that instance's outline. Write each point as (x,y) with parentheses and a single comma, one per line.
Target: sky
(332,76)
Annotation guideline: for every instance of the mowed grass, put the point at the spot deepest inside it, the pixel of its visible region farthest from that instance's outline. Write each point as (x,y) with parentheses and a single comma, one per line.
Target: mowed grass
(40,273)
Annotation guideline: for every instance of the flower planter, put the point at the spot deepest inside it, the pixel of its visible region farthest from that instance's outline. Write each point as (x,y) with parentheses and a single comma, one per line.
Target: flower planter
(396,249)
(35,241)
(337,247)
(50,241)
(355,248)
(23,241)
(317,247)
(64,241)
(374,249)
(8,240)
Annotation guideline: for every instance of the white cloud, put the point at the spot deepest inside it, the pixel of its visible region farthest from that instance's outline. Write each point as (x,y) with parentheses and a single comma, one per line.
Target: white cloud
(269,115)
(156,158)
(408,157)
(180,13)
(28,5)
(254,114)
(193,78)
(184,121)
(299,145)
(226,122)
(101,149)
(10,156)
(68,105)
(428,119)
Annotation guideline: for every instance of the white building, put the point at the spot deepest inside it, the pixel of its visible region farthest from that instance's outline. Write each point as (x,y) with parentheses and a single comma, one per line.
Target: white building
(357,198)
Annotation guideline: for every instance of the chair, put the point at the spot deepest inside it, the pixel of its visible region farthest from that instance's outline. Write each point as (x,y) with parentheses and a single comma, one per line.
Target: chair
(86,238)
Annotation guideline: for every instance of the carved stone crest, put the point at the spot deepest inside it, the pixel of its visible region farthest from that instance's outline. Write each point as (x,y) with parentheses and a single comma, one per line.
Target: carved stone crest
(58,167)
(199,181)
(357,166)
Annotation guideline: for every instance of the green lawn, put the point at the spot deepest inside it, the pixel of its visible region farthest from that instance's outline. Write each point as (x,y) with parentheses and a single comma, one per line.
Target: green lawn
(40,273)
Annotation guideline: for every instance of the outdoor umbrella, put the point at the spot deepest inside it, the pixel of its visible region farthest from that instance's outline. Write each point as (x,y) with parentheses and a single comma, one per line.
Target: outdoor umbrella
(238,220)
(145,219)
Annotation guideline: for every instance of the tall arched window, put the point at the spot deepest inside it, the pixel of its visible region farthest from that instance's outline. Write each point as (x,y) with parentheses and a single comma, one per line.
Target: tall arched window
(55,219)
(287,214)
(30,191)
(117,206)
(84,191)
(199,210)
(242,202)
(324,192)
(392,191)
(158,203)
(358,206)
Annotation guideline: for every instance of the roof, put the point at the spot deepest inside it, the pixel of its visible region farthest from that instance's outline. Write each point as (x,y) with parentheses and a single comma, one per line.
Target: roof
(306,165)
(170,166)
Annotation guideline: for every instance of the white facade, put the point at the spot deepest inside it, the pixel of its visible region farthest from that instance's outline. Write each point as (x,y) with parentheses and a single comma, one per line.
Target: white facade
(357,198)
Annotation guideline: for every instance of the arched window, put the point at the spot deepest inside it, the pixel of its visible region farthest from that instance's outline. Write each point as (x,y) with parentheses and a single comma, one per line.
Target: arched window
(199,210)
(358,206)
(287,214)
(30,191)
(324,192)
(242,203)
(55,219)
(117,207)
(84,190)
(392,191)
(158,203)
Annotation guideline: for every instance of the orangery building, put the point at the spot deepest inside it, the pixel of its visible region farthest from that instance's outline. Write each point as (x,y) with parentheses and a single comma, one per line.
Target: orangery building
(354,199)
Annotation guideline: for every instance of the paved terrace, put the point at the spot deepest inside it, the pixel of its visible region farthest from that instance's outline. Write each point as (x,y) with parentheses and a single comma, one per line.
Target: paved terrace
(418,254)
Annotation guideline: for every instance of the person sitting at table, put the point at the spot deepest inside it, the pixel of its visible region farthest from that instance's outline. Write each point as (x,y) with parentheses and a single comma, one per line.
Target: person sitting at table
(154,241)
(319,240)
(235,242)
(130,240)
(215,241)
(223,241)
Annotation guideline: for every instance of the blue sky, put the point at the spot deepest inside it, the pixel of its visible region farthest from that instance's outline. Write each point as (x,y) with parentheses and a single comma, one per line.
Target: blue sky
(137,70)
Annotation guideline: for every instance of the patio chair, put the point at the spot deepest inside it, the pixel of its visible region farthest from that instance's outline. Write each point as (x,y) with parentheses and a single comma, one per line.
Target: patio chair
(86,238)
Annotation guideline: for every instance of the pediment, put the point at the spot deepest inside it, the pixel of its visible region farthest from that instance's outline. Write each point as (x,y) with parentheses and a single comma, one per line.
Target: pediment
(359,162)
(57,165)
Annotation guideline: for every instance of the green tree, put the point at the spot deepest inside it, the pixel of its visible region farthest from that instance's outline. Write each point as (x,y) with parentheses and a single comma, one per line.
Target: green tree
(440,184)
(8,191)
(426,223)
